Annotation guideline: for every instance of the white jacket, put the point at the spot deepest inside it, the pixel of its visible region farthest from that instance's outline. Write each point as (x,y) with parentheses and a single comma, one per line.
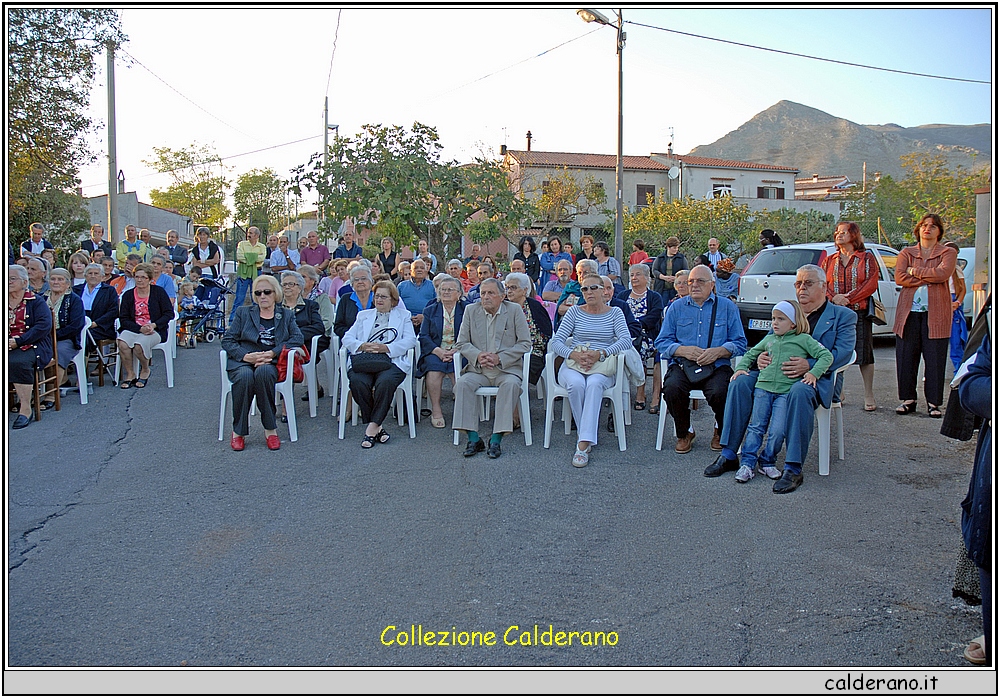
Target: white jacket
(399,318)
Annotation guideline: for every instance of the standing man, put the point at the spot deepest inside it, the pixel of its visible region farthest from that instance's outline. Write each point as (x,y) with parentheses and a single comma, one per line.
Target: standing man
(713,254)
(33,246)
(416,292)
(834,327)
(206,256)
(96,242)
(284,258)
(348,250)
(699,335)
(494,339)
(146,237)
(178,253)
(665,268)
(130,245)
(476,255)
(424,251)
(316,254)
(250,255)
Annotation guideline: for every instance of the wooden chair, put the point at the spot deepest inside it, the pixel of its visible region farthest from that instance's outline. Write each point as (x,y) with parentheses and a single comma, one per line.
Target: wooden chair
(46,380)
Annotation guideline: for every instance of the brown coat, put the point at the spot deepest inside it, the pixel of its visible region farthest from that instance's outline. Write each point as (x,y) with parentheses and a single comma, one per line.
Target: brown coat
(935,271)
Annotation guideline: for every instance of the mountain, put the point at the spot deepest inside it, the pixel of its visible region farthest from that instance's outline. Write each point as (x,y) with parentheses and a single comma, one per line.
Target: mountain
(815,142)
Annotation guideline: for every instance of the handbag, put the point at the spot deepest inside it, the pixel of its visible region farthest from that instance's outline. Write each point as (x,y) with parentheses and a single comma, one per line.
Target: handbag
(298,373)
(695,372)
(375,362)
(876,311)
(607,367)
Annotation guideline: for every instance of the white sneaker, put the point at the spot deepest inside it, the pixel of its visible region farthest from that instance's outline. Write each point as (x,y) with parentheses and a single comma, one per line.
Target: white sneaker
(744,474)
(770,471)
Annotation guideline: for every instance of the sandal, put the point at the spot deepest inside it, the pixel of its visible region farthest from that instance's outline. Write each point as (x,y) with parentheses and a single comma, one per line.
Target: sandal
(369,441)
(655,409)
(907,407)
(382,436)
(125,385)
(639,406)
(140,382)
(976,646)
(437,422)
(580,458)
(870,406)
(934,411)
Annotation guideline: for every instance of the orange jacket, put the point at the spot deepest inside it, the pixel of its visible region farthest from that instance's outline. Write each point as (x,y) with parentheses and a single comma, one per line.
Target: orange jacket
(934,271)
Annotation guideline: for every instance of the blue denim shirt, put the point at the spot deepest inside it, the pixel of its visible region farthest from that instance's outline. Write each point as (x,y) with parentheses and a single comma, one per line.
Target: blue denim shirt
(685,324)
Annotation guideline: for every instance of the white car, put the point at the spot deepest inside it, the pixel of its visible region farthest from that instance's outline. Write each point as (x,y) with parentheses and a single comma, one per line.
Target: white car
(770,277)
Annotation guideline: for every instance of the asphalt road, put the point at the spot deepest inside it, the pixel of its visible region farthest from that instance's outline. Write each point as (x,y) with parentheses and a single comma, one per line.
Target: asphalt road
(136,538)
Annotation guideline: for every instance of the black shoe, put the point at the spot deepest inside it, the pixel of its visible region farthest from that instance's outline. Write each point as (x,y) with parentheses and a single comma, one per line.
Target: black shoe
(720,466)
(789,482)
(494,450)
(611,422)
(21,422)
(320,393)
(474,447)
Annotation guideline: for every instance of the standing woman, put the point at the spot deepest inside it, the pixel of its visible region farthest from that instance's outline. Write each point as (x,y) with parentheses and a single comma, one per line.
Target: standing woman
(253,343)
(959,330)
(29,339)
(851,280)
(608,265)
(586,249)
(144,315)
(548,260)
(526,253)
(923,315)
(388,258)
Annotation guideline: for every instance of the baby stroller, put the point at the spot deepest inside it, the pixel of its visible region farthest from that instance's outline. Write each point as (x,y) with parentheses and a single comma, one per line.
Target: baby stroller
(207,319)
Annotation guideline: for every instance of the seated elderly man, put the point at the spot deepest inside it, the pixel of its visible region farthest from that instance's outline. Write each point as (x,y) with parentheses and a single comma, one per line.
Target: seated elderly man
(699,335)
(831,325)
(494,339)
(564,276)
(417,291)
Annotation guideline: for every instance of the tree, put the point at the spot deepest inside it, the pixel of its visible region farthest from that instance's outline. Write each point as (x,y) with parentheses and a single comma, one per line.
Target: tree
(260,199)
(197,191)
(693,221)
(51,56)
(561,198)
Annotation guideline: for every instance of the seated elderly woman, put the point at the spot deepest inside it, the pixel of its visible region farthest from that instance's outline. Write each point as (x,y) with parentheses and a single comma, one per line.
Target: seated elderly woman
(519,288)
(254,342)
(100,303)
(68,313)
(598,332)
(312,291)
(307,316)
(144,316)
(29,339)
(359,299)
(38,275)
(646,306)
(438,332)
(377,346)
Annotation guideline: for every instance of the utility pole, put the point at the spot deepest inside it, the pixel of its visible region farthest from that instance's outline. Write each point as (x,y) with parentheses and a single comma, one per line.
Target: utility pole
(326,155)
(112,149)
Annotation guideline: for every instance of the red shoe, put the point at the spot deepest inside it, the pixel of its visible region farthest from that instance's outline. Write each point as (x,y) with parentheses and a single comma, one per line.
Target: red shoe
(237,443)
(273,442)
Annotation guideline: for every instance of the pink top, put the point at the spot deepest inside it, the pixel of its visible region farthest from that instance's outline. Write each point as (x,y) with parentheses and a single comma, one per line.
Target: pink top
(141,311)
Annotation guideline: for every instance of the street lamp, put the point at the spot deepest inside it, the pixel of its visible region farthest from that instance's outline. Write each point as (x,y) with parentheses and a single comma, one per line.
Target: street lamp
(327,126)
(594,16)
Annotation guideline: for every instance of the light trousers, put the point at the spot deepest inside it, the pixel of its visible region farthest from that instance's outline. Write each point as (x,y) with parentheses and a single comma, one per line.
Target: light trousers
(586,392)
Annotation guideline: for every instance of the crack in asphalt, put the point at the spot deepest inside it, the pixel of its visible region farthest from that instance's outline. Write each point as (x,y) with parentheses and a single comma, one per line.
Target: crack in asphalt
(22,545)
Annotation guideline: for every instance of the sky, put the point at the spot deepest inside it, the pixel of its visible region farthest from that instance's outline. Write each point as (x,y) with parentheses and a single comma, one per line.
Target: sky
(253,79)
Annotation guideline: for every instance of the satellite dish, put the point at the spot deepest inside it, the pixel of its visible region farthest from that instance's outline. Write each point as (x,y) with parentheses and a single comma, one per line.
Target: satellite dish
(674,172)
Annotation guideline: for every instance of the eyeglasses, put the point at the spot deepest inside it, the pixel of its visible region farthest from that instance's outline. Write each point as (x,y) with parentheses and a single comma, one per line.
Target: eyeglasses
(382,297)
(290,284)
(805,284)
(447,289)
(263,292)
(592,288)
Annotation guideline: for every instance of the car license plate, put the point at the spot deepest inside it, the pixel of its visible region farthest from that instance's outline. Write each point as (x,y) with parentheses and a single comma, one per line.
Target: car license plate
(759,325)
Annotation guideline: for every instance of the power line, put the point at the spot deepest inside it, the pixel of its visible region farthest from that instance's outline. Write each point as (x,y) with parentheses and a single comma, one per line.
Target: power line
(803,55)
(222,121)
(329,74)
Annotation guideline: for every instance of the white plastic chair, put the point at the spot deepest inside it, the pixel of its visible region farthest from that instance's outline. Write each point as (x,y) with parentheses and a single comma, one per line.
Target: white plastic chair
(695,395)
(487,392)
(80,361)
(823,418)
(169,349)
(333,371)
(404,393)
(615,393)
(312,380)
(284,389)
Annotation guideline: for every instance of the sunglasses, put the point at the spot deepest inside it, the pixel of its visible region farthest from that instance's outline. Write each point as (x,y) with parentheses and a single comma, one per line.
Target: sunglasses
(592,288)
(263,292)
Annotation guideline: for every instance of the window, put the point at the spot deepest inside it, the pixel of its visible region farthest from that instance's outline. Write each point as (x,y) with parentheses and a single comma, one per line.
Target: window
(889,257)
(770,192)
(720,190)
(644,195)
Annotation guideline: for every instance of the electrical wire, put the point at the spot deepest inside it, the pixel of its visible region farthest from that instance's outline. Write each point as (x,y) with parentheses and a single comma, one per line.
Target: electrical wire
(222,121)
(329,74)
(803,55)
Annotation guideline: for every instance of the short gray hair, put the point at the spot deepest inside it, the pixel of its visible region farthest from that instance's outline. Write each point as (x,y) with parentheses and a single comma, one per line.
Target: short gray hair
(454,261)
(446,279)
(815,270)
(310,271)
(294,276)
(589,266)
(162,259)
(60,271)
(644,268)
(520,280)
(360,269)
(43,262)
(493,280)
(22,273)
(94,265)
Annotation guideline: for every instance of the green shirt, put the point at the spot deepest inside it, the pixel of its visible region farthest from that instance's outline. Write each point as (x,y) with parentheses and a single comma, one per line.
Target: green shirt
(782,348)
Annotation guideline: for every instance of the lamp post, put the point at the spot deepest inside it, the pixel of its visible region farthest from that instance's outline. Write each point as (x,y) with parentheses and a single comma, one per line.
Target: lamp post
(327,126)
(595,16)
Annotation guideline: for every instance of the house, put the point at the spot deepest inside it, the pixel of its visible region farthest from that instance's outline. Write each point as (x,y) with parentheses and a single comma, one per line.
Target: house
(760,186)
(131,211)
(825,188)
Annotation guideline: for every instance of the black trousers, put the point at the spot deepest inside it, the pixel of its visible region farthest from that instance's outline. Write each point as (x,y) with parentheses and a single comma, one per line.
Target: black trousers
(250,383)
(374,392)
(909,349)
(677,394)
